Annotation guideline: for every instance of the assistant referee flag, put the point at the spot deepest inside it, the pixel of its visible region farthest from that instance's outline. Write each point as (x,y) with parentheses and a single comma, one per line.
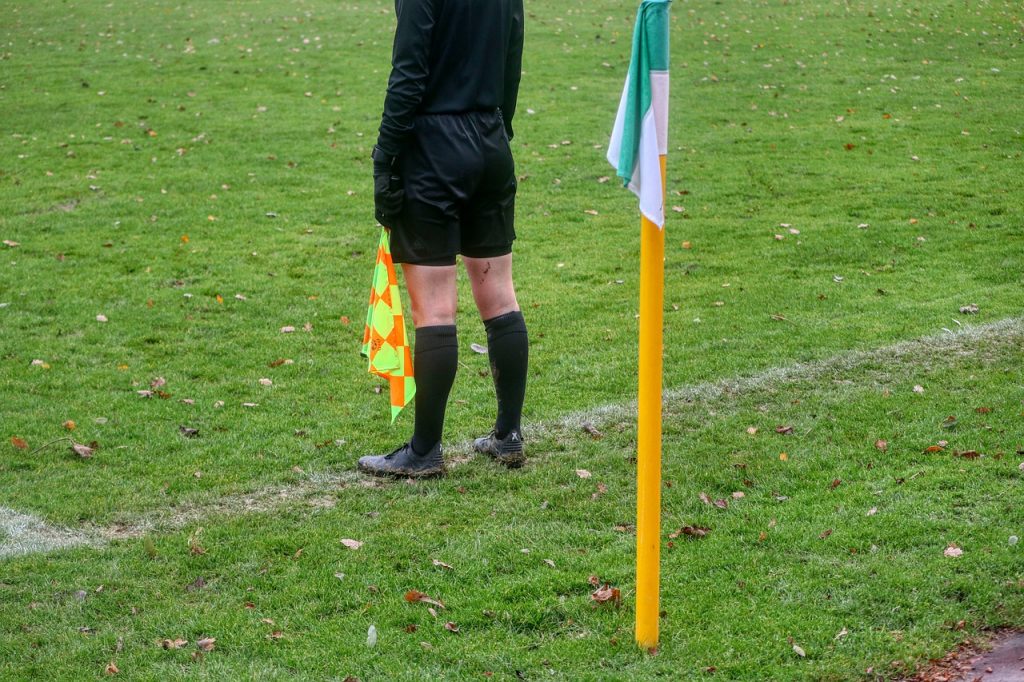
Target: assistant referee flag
(640,135)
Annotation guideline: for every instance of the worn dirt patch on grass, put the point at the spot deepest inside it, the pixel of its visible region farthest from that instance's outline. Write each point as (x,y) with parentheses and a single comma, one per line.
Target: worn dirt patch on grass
(999,658)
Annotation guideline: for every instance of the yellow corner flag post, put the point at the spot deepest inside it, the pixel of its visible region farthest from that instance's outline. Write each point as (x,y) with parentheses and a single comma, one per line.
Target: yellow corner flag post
(637,149)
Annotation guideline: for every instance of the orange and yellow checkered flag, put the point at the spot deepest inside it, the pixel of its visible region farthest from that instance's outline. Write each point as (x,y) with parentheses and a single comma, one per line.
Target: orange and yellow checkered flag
(385,342)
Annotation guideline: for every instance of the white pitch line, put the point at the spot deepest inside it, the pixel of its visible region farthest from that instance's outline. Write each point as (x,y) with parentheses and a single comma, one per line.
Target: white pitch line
(25,534)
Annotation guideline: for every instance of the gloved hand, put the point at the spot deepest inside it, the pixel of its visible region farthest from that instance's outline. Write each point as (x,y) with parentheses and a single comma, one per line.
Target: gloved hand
(388,192)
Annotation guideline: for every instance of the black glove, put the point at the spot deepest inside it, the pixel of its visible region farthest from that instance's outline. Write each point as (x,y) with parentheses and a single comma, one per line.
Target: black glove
(388,192)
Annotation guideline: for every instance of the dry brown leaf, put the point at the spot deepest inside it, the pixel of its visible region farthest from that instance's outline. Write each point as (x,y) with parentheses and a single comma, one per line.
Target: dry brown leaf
(83,451)
(451,627)
(752,430)
(881,445)
(206,644)
(441,564)
(967,454)
(351,544)
(705,499)
(605,594)
(112,669)
(692,531)
(825,534)
(785,430)
(583,473)
(413,596)
(592,430)
(19,443)
(953,550)
(173,643)
(933,448)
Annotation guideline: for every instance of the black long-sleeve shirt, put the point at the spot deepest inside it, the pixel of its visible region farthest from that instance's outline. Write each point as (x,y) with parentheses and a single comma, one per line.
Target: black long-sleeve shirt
(452,56)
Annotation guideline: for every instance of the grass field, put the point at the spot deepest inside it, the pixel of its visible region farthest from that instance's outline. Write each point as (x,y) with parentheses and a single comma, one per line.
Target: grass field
(844,177)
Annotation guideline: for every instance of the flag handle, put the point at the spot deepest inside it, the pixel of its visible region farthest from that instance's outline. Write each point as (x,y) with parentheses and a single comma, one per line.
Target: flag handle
(648,442)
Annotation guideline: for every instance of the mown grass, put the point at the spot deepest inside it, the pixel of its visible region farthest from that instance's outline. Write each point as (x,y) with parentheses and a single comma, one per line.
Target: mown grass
(248,129)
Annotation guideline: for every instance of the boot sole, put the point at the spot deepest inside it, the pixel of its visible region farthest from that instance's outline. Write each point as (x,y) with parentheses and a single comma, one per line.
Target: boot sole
(513,460)
(402,473)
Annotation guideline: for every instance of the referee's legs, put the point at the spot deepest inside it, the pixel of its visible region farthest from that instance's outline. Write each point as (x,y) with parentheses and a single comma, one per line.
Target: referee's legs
(436,354)
(507,341)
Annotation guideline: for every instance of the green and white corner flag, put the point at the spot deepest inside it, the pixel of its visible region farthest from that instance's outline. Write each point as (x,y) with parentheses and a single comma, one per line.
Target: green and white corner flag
(640,135)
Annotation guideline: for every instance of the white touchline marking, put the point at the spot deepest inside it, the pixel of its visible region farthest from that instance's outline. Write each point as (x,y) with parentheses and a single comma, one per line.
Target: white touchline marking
(28,534)
(22,534)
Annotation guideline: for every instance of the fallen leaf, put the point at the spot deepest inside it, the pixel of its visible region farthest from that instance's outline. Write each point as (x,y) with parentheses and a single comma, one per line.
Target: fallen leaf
(704,498)
(351,544)
(825,534)
(784,430)
(441,564)
(692,531)
(451,627)
(549,562)
(287,329)
(276,634)
(197,584)
(477,348)
(918,389)
(949,422)
(971,309)
(206,644)
(872,511)
(783,457)
(881,445)
(145,393)
(933,448)
(835,483)
(721,503)
(983,410)
(266,382)
(953,550)
(583,473)
(19,443)
(413,596)
(11,244)
(738,495)
(188,432)
(594,581)
(83,451)
(967,454)
(798,651)
(111,669)
(752,430)
(592,430)
(101,318)
(842,633)
(605,594)
(173,643)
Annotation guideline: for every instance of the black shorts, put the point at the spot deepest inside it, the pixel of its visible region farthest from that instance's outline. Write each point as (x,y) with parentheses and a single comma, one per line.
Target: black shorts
(460,190)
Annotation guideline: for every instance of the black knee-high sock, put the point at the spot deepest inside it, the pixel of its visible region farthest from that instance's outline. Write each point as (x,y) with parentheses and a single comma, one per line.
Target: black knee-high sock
(508,348)
(435,362)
